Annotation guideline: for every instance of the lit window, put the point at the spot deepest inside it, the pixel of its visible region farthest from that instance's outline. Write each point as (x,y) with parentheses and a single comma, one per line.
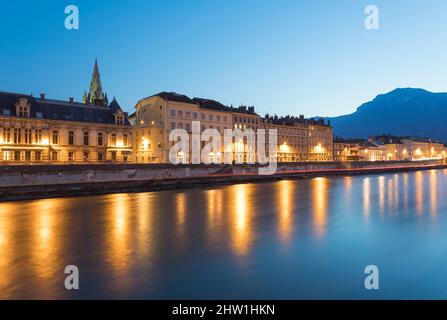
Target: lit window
(55,137)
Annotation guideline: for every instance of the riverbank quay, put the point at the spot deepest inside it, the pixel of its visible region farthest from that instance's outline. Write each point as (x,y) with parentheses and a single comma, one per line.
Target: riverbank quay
(51,181)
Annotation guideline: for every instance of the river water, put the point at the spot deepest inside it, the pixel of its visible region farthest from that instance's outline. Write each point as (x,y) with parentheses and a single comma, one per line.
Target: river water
(290,239)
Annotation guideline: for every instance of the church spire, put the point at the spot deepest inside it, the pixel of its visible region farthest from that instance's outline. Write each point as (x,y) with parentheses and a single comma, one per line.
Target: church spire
(96,96)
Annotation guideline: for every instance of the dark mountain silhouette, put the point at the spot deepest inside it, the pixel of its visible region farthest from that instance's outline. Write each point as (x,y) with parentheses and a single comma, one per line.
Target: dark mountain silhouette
(401,112)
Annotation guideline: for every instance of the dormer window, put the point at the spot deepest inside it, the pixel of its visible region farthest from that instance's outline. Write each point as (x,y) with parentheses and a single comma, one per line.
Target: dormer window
(23,108)
(119,117)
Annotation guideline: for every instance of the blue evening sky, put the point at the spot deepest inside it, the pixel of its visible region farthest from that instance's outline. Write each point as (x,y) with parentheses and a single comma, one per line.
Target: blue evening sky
(285,57)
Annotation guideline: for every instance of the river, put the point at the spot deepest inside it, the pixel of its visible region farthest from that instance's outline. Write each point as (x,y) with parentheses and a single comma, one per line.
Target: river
(289,239)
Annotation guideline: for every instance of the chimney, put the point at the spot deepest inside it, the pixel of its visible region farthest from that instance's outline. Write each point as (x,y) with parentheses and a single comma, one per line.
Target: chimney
(42,96)
(71,100)
(251,109)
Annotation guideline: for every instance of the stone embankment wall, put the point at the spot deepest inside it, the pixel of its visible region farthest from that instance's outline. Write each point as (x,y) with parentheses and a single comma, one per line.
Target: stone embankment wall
(42,181)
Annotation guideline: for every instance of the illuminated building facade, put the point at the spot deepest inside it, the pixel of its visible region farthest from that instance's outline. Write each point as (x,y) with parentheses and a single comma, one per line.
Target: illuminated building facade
(157,115)
(299,139)
(41,130)
(292,136)
(422,149)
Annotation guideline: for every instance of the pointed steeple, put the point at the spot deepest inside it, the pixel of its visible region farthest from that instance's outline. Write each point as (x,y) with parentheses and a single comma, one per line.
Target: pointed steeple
(96,95)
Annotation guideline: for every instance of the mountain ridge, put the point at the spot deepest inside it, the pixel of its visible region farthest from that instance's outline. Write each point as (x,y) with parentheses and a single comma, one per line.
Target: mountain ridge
(402,112)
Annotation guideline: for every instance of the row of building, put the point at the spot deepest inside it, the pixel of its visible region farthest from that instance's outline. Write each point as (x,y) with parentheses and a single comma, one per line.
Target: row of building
(388,148)
(42,130)
(298,139)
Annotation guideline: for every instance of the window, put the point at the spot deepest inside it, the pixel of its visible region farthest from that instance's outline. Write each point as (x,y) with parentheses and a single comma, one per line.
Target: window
(125,140)
(218,118)
(113,139)
(119,119)
(180,114)
(100,156)
(180,125)
(86,137)
(188,115)
(71,138)
(203,117)
(225,119)
(173,113)
(38,156)
(23,111)
(85,155)
(27,155)
(54,156)
(210,117)
(100,138)
(188,127)
(172,125)
(28,136)
(38,136)
(6,135)
(113,155)
(55,137)
(195,116)
(17,156)
(7,155)
(71,156)
(17,135)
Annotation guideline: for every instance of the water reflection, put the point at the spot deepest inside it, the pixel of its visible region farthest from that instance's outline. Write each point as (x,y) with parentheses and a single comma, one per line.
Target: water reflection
(155,245)
(286,203)
(215,202)
(118,235)
(433,192)
(319,195)
(419,187)
(45,242)
(381,194)
(240,214)
(348,189)
(7,248)
(366,196)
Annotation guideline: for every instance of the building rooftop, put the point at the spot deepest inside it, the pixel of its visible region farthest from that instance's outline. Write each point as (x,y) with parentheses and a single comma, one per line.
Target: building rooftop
(173,96)
(60,110)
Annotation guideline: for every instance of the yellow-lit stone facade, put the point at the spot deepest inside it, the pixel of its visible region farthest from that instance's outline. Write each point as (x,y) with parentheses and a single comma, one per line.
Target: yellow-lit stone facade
(156,116)
(34,130)
(320,142)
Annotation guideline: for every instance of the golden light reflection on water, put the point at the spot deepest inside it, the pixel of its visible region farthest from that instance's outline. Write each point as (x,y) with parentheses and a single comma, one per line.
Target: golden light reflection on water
(145,227)
(366,196)
(390,192)
(286,202)
(405,189)
(214,202)
(319,204)
(348,189)
(46,241)
(117,233)
(7,247)
(124,230)
(396,182)
(433,192)
(419,186)
(240,216)
(381,193)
